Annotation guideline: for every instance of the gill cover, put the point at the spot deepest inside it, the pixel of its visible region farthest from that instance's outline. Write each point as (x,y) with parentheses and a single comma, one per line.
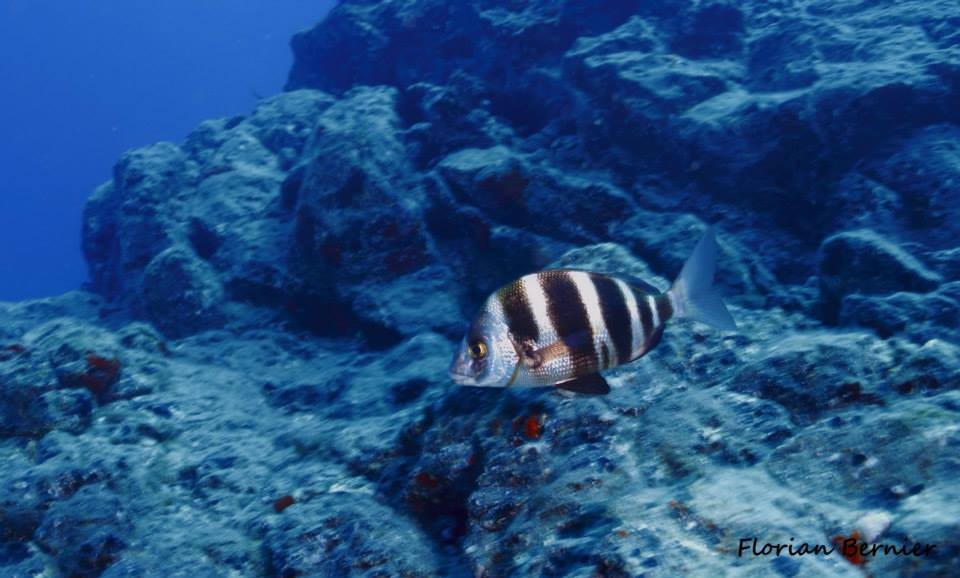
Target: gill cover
(487,356)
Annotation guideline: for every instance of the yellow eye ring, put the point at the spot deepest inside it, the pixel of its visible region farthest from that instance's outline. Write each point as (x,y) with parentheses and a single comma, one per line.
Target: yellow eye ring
(478,350)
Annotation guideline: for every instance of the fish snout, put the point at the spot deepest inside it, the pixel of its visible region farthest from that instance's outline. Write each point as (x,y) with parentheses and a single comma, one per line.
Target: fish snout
(460,371)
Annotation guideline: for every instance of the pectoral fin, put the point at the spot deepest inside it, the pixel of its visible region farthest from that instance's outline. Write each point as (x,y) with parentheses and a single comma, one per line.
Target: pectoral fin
(536,358)
(593,384)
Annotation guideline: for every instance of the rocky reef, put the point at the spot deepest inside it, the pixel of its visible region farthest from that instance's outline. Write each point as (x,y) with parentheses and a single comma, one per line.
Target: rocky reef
(254,381)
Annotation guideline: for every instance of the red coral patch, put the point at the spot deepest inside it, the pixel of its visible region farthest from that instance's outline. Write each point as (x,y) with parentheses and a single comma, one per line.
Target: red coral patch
(101,373)
(282,503)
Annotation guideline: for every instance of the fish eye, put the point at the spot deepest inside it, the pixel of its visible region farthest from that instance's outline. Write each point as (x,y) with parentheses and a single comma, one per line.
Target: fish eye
(478,350)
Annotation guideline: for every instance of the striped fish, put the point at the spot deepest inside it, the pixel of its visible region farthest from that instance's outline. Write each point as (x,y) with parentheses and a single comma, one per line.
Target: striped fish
(563,326)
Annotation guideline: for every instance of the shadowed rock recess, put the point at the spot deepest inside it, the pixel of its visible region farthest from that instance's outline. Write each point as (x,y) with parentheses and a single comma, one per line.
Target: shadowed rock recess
(254,382)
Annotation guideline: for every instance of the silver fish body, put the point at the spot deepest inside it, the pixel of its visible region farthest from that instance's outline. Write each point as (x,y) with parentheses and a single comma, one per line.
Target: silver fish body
(564,326)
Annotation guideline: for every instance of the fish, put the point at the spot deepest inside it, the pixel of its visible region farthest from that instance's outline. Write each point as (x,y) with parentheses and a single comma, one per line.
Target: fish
(563,327)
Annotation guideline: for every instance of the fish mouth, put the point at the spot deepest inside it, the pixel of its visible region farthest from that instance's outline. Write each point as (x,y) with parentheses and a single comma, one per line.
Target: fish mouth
(458,375)
(463,379)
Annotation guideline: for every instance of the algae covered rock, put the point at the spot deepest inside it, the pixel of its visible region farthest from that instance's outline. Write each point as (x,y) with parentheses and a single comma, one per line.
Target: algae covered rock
(810,374)
(920,317)
(59,372)
(84,533)
(329,539)
(865,262)
(180,293)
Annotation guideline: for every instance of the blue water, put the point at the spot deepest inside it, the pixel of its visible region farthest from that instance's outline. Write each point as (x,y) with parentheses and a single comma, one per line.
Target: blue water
(85,81)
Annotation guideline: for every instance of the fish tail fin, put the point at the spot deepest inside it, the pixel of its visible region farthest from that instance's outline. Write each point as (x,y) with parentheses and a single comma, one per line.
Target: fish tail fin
(693,295)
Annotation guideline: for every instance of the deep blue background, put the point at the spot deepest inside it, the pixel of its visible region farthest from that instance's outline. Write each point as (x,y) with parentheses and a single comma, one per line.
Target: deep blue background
(84,81)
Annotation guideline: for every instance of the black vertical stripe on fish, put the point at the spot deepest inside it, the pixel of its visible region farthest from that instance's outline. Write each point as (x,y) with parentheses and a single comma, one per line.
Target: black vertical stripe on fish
(646,316)
(581,353)
(664,307)
(517,311)
(569,318)
(604,356)
(616,316)
(636,330)
(654,340)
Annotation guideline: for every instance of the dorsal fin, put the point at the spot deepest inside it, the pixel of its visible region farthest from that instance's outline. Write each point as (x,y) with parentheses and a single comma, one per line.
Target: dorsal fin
(638,283)
(635,282)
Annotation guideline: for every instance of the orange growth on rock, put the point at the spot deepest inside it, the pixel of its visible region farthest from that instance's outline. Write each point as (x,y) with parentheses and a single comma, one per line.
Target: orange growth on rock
(101,373)
(532,426)
(849,547)
(426,480)
(8,352)
(282,503)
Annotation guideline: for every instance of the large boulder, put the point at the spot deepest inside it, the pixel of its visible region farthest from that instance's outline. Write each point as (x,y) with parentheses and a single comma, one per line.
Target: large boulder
(55,375)
(358,235)
(180,293)
(86,532)
(865,262)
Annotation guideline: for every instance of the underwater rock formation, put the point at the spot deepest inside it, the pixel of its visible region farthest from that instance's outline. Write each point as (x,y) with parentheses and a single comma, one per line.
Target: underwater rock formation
(254,382)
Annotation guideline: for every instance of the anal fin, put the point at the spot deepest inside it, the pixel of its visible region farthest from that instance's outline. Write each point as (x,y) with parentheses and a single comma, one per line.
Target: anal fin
(593,384)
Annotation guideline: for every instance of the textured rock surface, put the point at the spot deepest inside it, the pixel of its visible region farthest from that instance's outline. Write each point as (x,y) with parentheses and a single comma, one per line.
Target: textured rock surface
(865,263)
(254,383)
